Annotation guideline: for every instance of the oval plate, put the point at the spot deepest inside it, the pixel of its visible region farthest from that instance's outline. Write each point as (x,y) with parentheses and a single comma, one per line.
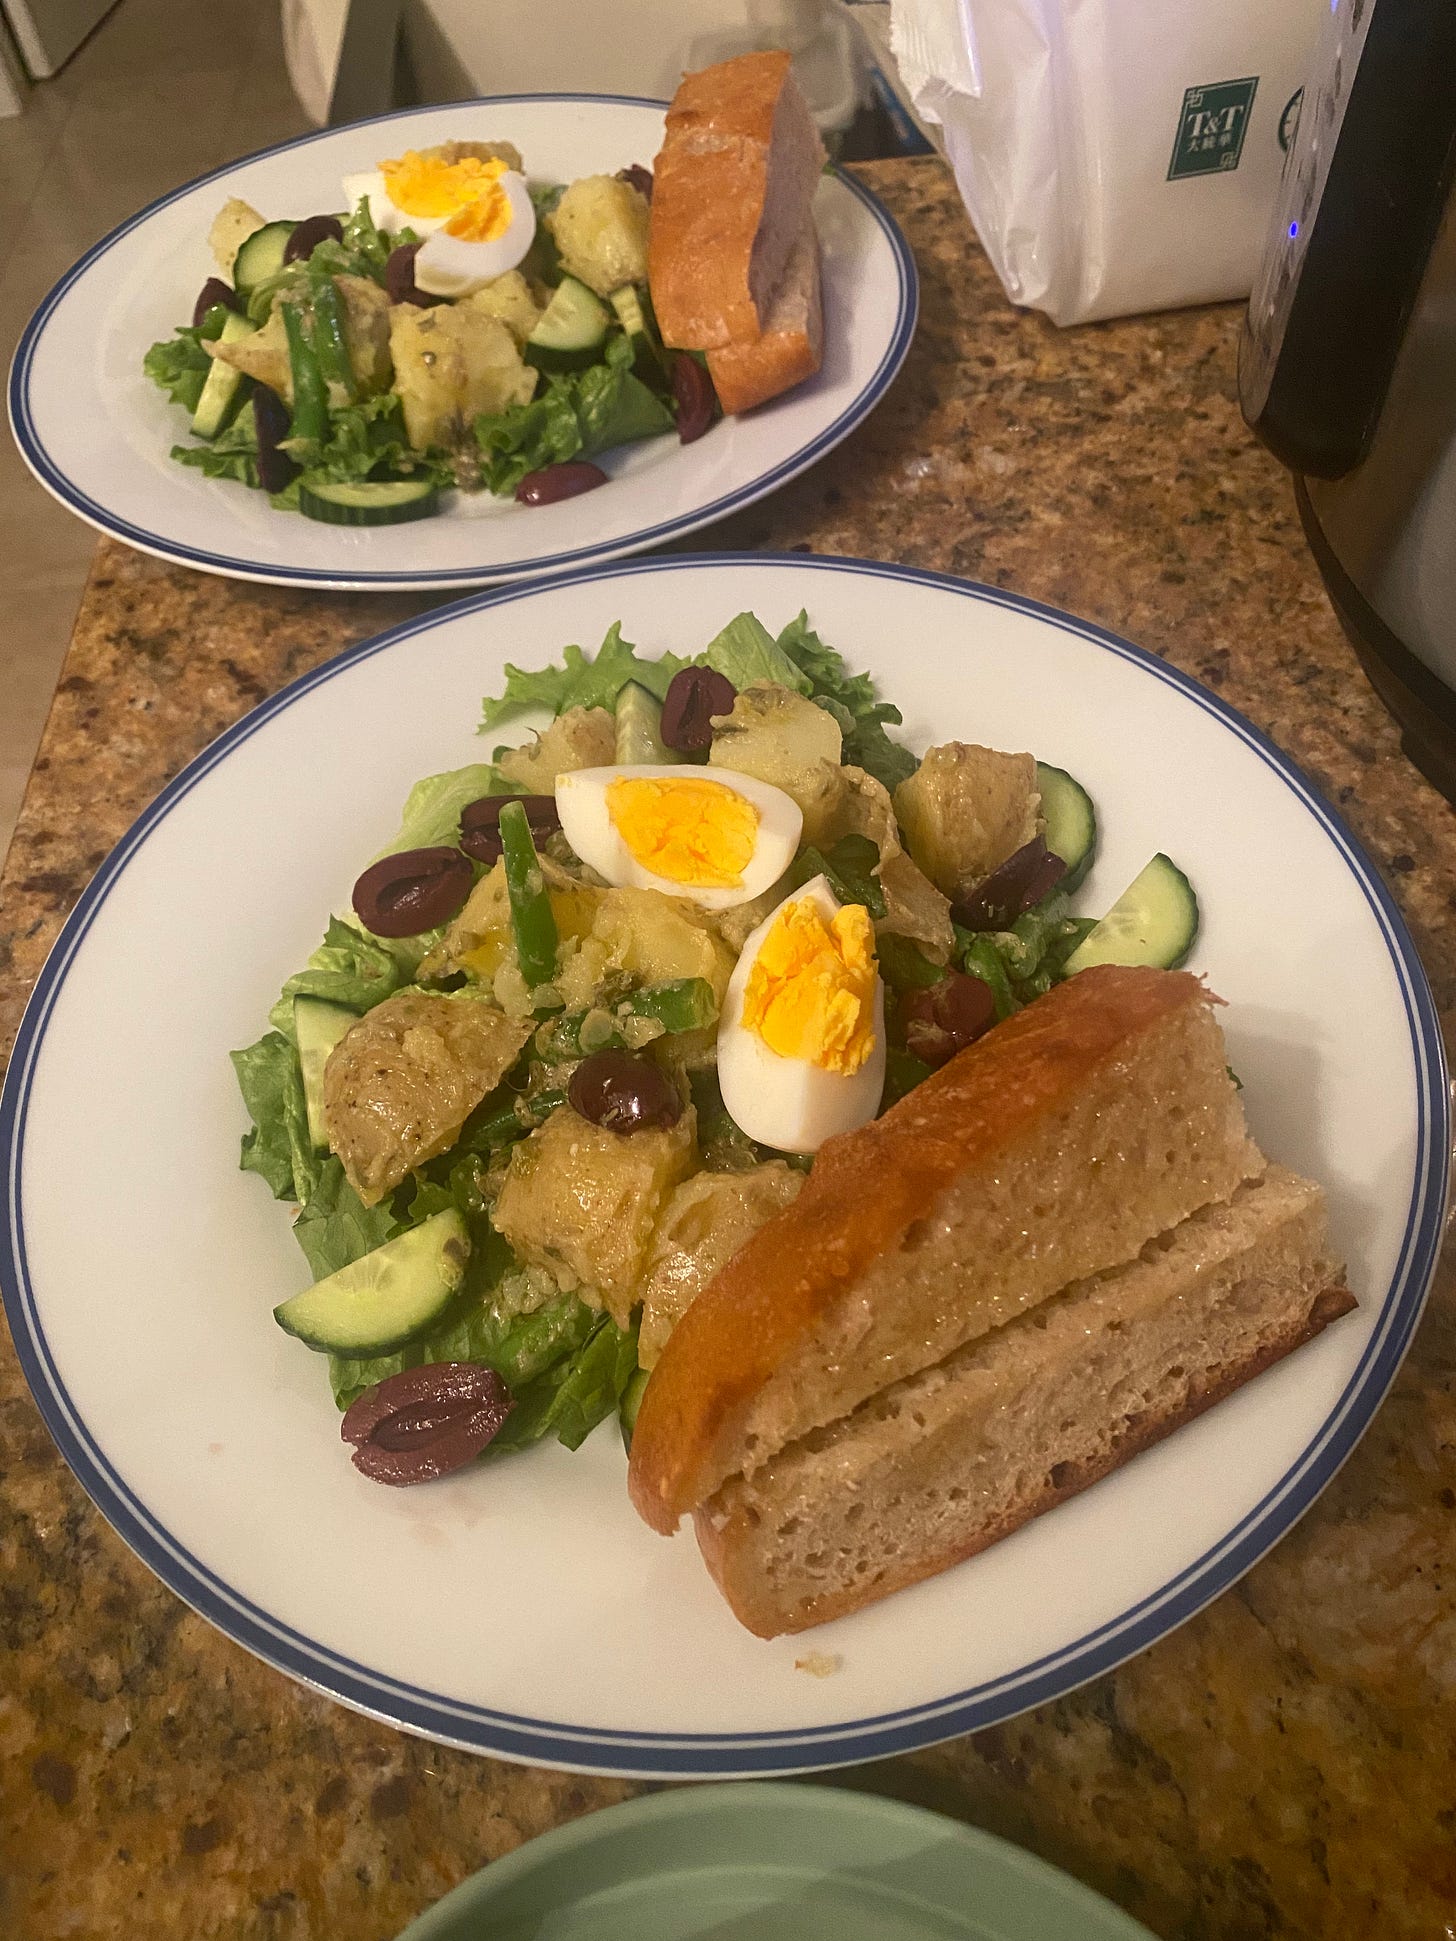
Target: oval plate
(772,1863)
(97,433)
(544,1622)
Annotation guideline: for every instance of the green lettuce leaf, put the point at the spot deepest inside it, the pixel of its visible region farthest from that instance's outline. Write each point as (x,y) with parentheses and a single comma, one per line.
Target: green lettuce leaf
(746,652)
(348,968)
(278,1146)
(336,1227)
(233,454)
(577,415)
(522,1351)
(528,437)
(432,809)
(366,440)
(576,1393)
(614,407)
(179,366)
(850,698)
(581,683)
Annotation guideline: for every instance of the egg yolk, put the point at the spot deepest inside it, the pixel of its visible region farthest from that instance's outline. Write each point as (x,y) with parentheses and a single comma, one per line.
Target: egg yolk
(811,992)
(692,832)
(467,191)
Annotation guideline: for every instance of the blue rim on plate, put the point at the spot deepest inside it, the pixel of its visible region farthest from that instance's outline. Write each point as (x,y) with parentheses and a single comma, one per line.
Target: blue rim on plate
(33,450)
(723,1755)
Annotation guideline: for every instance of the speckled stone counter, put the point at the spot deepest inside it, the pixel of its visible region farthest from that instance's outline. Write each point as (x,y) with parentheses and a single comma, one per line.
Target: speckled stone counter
(1283,1765)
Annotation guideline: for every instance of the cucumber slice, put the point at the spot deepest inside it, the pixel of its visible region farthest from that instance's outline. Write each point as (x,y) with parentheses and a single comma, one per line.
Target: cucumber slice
(635,317)
(628,1406)
(367,502)
(571,329)
(384,1299)
(260,256)
(1071,821)
(223,389)
(318,1026)
(639,727)
(1153,922)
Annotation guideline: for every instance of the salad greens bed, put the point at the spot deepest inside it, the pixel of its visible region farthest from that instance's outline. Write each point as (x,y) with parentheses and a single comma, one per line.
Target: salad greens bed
(567,1364)
(340,414)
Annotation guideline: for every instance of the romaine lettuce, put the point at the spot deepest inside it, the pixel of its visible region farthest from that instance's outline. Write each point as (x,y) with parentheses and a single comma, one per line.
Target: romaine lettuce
(746,652)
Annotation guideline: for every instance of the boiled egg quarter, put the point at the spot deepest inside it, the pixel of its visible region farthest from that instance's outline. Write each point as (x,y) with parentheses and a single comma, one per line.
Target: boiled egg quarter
(475,215)
(709,839)
(801,1038)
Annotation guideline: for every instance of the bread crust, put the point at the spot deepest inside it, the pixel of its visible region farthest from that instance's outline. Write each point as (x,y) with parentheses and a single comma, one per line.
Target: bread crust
(745,375)
(712,183)
(720,1545)
(867,1189)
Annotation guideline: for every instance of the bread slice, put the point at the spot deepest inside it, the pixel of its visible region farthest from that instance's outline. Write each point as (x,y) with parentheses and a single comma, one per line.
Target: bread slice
(1050,1150)
(791,347)
(938,1466)
(731,190)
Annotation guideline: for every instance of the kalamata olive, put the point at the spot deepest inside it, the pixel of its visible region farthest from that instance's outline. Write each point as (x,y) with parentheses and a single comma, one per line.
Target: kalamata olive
(480,823)
(694,695)
(623,1093)
(639,177)
(565,481)
(399,896)
(943,1020)
(308,234)
(1027,875)
(399,277)
(426,1422)
(697,401)
(213,292)
(272,424)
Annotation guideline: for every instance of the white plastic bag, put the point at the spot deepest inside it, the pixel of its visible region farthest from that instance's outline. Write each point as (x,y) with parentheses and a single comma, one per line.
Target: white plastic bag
(1115,155)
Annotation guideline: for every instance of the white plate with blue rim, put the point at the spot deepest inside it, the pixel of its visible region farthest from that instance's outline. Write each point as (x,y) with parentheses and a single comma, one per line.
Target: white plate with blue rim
(520,1608)
(98,434)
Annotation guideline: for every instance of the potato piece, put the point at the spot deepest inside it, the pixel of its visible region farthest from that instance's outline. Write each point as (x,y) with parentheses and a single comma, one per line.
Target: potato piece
(401,1082)
(652,938)
(703,1225)
(366,330)
(965,810)
(600,227)
(580,738)
(854,803)
(231,227)
(509,300)
(582,1203)
(263,355)
(779,737)
(506,152)
(451,364)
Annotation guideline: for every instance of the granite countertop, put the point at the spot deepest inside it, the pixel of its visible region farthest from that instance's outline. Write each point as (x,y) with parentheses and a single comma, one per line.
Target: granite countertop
(1281,1766)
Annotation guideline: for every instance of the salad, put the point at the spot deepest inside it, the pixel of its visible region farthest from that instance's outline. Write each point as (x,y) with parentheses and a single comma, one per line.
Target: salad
(602,999)
(458,328)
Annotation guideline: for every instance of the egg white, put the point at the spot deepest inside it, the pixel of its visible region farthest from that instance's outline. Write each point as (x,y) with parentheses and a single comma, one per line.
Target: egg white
(581,802)
(789,1103)
(452,266)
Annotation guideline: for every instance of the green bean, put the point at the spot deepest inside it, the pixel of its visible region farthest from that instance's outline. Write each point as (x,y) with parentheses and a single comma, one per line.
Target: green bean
(903,967)
(330,345)
(681,1004)
(533,922)
(310,395)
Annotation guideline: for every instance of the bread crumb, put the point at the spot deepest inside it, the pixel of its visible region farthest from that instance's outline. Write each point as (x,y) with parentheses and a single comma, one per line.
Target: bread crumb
(819,1664)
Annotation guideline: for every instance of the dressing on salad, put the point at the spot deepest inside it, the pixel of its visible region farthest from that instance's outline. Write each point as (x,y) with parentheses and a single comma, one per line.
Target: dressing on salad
(595,1014)
(457,327)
